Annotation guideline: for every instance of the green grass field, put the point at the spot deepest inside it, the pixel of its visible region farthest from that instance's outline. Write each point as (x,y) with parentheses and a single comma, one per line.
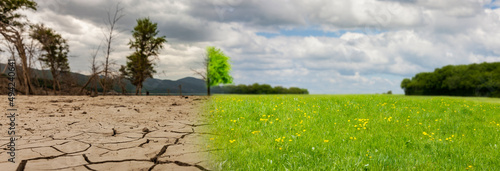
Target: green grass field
(354,132)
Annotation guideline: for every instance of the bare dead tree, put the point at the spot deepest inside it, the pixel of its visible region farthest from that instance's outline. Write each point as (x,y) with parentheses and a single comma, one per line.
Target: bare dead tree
(11,50)
(121,83)
(12,28)
(5,68)
(118,80)
(96,70)
(204,72)
(44,78)
(33,52)
(14,35)
(112,19)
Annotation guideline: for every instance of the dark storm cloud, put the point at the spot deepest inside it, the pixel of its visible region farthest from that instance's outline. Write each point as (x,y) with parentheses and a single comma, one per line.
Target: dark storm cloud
(180,27)
(257,13)
(94,12)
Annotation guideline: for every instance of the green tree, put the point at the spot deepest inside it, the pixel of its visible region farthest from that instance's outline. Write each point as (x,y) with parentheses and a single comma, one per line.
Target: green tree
(218,68)
(460,80)
(56,52)
(12,28)
(404,83)
(146,45)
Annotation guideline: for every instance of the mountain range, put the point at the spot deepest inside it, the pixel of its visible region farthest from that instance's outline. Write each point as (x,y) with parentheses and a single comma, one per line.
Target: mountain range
(190,85)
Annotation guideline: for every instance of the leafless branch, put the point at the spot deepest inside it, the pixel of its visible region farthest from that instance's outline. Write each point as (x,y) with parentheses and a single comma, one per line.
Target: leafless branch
(112,19)
(204,65)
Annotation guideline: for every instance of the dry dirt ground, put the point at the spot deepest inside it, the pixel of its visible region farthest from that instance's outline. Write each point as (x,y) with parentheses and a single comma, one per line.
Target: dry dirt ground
(106,133)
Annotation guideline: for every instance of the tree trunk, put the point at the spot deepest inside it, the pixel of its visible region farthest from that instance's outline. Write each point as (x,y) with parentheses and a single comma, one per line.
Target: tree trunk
(104,87)
(54,86)
(94,83)
(44,82)
(20,76)
(105,80)
(44,78)
(58,86)
(26,72)
(208,87)
(54,83)
(124,91)
(87,83)
(122,86)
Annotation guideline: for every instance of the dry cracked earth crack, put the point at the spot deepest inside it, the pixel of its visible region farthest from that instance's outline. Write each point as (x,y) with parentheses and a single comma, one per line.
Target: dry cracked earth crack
(108,133)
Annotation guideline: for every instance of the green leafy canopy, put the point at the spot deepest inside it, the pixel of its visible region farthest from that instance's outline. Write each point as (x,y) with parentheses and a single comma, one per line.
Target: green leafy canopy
(146,44)
(9,7)
(460,80)
(218,67)
(55,47)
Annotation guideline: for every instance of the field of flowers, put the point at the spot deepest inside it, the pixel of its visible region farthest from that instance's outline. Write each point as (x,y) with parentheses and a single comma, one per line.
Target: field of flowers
(353,132)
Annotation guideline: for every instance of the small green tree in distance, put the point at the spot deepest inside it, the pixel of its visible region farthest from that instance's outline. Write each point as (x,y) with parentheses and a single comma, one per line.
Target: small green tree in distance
(146,44)
(56,52)
(217,68)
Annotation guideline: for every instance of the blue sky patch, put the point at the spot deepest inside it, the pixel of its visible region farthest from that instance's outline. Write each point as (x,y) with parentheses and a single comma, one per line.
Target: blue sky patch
(491,5)
(318,32)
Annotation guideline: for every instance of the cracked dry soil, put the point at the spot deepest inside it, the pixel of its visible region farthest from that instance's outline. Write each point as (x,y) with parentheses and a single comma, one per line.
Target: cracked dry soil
(106,133)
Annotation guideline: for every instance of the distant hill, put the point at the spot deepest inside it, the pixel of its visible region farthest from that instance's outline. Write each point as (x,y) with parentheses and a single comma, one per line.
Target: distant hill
(190,85)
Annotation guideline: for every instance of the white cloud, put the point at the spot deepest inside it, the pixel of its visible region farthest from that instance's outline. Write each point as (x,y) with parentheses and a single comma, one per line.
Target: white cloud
(384,42)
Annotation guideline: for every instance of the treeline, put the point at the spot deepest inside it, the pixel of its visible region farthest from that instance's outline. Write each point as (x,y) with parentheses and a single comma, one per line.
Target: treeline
(461,80)
(257,89)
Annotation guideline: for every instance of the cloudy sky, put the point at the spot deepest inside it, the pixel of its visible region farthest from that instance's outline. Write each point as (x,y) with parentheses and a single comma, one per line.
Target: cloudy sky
(328,47)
